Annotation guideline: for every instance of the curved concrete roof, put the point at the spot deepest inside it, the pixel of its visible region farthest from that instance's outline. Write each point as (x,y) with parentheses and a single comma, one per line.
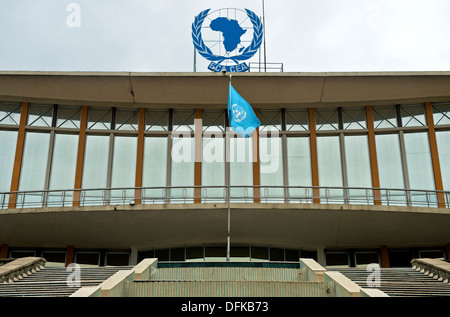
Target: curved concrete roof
(279,225)
(209,90)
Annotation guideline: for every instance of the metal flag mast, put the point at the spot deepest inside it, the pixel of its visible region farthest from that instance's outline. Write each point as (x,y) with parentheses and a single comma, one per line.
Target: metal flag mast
(227,163)
(264,32)
(244,121)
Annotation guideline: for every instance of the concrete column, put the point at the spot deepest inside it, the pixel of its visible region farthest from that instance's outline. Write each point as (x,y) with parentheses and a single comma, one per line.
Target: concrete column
(134,256)
(256,166)
(198,156)
(140,156)
(70,255)
(4,251)
(435,155)
(373,155)
(80,156)
(385,257)
(321,256)
(18,155)
(314,158)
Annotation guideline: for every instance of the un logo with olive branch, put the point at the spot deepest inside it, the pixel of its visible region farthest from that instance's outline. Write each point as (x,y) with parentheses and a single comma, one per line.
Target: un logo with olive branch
(232,35)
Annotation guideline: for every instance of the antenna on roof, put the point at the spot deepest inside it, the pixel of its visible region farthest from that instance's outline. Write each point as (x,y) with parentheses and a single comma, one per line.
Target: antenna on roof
(264,35)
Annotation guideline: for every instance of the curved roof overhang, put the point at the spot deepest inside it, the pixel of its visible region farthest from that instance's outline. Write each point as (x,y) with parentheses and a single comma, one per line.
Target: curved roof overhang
(209,90)
(147,227)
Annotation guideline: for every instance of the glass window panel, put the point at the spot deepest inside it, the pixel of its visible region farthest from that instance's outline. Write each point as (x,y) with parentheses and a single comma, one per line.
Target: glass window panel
(155,168)
(62,175)
(385,117)
(390,168)
(87,259)
(40,115)
(117,259)
(432,254)
(327,119)
(309,254)
(10,113)
(359,173)
(69,117)
(276,254)
(299,167)
(297,120)
(21,254)
(420,168)
(270,120)
(413,116)
(54,258)
(441,114)
(34,168)
(195,254)
(213,121)
(99,119)
(400,258)
(337,259)
(240,254)
(127,119)
(177,255)
(271,168)
(292,255)
(124,169)
(213,169)
(95,168)
(157,120)
(443,143)
(215,254)
(363,259)
(183,120)
(183,159)
(260,254)
(330,169)
(241,169)
(354,119)
(145,255)
(8,141)
(162,255)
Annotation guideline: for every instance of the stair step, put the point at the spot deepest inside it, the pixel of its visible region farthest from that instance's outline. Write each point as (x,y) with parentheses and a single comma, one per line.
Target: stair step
(399,281)
(227,289)
(52,282)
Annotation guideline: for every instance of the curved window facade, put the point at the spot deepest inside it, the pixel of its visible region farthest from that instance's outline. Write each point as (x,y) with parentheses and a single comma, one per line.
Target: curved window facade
(106,155)
(8,140)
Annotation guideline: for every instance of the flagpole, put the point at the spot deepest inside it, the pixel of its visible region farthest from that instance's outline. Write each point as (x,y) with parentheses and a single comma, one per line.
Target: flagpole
(227,163)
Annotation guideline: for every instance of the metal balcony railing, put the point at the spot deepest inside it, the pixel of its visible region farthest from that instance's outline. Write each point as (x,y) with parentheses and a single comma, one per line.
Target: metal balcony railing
(255,67)
(225,194)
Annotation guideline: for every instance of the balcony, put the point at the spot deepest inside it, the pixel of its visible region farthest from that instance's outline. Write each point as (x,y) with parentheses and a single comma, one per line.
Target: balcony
(225,194)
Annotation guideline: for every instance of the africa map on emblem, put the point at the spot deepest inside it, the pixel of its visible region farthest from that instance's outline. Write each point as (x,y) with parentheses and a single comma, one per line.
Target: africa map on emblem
(231,30)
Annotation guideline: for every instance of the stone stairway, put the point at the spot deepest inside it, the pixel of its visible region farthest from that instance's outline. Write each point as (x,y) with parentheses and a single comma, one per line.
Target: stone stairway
(227,280)
(52,282)
(404,282)
(28,277)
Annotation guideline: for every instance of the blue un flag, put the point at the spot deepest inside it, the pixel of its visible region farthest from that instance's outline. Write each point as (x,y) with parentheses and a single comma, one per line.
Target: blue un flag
(243,119)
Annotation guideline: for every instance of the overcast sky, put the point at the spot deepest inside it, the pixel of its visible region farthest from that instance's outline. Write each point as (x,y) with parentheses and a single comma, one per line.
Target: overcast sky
(155,35)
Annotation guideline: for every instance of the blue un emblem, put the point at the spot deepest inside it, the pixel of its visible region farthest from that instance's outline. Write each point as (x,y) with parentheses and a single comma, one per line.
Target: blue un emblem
(227,37)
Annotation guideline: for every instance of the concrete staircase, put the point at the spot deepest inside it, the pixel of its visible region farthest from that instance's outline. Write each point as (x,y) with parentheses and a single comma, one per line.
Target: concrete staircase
(227,280)
(404,282)
(28,277)
(52,282)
